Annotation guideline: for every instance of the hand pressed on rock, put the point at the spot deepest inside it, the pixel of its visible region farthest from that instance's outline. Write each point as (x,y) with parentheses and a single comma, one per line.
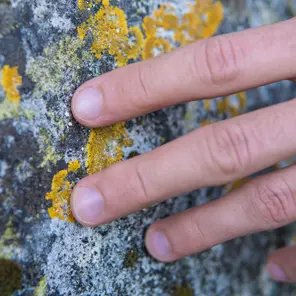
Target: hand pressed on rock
(213,155)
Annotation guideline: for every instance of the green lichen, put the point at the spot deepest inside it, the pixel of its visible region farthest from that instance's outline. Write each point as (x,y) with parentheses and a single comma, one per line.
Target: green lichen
(9,246)
(41,288)
(10,277)
(9,109)
(292,7)
(57,69)
(47,149)
(131,258)
(183,290)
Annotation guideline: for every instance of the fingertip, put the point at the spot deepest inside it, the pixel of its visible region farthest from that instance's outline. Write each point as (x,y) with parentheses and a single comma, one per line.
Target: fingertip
(158,245)
(87,205)
(276,272)
(87,104)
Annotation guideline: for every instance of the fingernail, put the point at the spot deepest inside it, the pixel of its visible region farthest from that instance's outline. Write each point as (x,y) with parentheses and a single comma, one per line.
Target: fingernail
(276,272)
(159,245)
(88,205)
(88,103)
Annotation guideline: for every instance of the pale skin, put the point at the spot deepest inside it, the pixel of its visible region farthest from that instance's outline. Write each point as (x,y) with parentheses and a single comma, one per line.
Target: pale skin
(217,154)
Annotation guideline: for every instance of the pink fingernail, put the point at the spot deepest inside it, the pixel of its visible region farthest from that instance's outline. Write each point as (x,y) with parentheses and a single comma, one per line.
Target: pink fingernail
(276,272)
(88,103)
(88,205)
(159,244)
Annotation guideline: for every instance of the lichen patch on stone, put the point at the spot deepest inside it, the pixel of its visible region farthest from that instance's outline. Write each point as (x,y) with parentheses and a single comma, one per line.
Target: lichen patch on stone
(61,189)
(110,34)
(11,80)
(105,146)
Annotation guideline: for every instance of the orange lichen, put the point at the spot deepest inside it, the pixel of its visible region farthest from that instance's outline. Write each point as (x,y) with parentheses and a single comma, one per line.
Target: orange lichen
(84,4)
(74,166)
(110,34)
(205,123)
(110,30)
(231,105)
(105,146)
(235,185)
(202,21)
(60,194)
(11,80)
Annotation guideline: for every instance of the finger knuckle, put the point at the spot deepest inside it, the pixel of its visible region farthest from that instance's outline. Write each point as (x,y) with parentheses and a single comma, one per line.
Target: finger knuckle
(228,148)
(274,201)
(144,197)
(199,232)
(142,97)
(221,57)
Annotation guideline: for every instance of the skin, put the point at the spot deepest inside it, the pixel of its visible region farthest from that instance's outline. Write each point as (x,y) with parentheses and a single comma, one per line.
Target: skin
(210,156)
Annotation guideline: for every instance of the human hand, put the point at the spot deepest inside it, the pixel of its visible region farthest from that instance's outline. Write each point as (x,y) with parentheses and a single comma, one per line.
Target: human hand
(210,156)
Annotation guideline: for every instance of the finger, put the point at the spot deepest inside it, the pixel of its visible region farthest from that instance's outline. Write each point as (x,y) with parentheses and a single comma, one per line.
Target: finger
(266,203)
(216,154)
(282,265)
(208,68)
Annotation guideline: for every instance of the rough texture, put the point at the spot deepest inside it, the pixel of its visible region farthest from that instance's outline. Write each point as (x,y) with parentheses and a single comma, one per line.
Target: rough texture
(44,152)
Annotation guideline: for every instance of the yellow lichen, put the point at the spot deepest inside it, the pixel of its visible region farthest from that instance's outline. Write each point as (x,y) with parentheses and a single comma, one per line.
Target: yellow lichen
(40,290)
(84,4)
(110,34)
(74,166)
(110,30)
(231,106)
(202,21)
(60,194)
(104,147)
(235,185)
(11,80)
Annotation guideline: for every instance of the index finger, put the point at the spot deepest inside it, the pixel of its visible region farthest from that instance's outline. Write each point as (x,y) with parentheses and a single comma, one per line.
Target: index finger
(209,68)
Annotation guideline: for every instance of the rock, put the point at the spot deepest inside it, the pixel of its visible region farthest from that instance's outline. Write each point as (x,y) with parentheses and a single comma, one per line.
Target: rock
(45,54)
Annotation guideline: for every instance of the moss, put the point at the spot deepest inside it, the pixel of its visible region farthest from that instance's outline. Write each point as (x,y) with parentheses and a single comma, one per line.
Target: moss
(131,258)
(183,290)
(105,147)
(41,288)
(61,189)
(10,277)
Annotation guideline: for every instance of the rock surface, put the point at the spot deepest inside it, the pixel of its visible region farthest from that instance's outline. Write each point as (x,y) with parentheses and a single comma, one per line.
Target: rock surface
(43,151)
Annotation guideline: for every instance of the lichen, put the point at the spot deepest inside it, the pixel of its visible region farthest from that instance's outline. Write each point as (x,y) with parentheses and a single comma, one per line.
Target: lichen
(9,109)
(11,249)
(40,290)
(61,189)
(110,30)
(110,34)
(183,290)
(10,277)
(47,150)
(104,147)
(226,107)
(11,80)
(131,258)
(235,185)
(202,21)
(57,69)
